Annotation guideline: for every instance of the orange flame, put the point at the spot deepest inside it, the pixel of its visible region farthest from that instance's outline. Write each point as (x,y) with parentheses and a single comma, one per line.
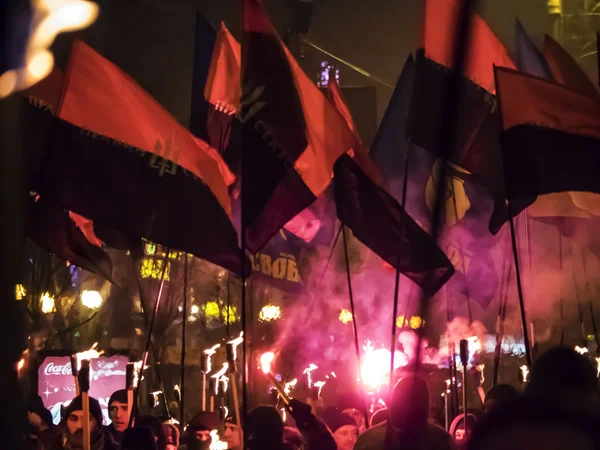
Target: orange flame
(235,342)
(216,443)
(265,361)
(525,373)
(320,384)
(311,367)
(209,352)
(217,376)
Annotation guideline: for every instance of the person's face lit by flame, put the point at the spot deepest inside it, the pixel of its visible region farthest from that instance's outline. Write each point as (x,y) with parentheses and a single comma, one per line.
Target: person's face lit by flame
(75,422)
(119,415)
(232,434)
(345,437)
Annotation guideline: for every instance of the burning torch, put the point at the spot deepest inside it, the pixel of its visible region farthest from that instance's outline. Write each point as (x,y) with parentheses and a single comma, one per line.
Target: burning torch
(231,351)
(215,380)
(82,368)
(206,368)
(265,364)
(314,396)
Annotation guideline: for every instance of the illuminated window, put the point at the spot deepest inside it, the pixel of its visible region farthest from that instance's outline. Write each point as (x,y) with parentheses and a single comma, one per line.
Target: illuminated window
(324,74)
(20,292)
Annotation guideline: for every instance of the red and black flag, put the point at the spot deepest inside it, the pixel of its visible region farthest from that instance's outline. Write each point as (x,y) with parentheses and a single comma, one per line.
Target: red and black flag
(550,139)
(476,147)
(118,158)
(216,86)
(566,71)
(59,232)
(291,135)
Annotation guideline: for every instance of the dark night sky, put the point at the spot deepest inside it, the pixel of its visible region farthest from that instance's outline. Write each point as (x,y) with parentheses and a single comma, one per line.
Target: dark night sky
(152,40)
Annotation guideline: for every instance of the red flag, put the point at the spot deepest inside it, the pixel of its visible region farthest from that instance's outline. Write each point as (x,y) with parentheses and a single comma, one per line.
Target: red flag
(101,98)
(566,71)
(291,135)
(223,86)
(484,49)
(118,158)
(551,137)
(359,152)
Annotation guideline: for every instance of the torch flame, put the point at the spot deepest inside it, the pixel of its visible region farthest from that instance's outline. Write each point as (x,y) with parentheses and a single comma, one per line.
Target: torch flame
(20,365)
(224,380)
(217,376)
(265,361)
(235,342)
(598,364)
(216,443)
(480,368)
(209,352)
(92,353)
(311,367)
(137,371)
(525,373)
(155,396)
(287,387)
(581,350)
(319,384)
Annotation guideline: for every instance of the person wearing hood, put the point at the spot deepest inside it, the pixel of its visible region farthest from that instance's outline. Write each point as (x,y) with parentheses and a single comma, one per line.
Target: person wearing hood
(407,425)
(342,426)
(118,411)
(264,429)
(71,427)
(197,435)
(41,428)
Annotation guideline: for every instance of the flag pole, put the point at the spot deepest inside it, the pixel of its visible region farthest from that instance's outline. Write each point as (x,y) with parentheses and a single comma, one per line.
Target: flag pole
(446,136)
(149,337)
(503,301)
(562,312)
(183,336)
(591,306)
(578,299)
(519,286)
(352,310)
(461,253)
(397,280)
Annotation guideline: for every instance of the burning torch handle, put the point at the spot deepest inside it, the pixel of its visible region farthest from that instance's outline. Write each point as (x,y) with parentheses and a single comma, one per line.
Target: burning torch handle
(236,400)
(84,383)
(279,388)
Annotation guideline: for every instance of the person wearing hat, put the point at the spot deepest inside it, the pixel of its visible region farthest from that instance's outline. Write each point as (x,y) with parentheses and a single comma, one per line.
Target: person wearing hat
(171,433)
(118,411)
(41,428)
(71,427)
(197,435)
(233,435)
(343,428)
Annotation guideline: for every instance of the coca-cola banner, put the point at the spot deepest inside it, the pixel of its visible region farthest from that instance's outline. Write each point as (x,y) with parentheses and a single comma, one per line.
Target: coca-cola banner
(56,385)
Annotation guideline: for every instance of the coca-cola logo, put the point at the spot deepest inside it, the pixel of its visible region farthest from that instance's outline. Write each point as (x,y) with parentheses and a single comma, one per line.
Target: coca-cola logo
(58,369)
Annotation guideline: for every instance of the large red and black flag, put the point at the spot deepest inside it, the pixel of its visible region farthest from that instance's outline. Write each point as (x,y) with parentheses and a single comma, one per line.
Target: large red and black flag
(550,139)
(378,220)
(476,147)
(291,136)
(118,158)
(466,205)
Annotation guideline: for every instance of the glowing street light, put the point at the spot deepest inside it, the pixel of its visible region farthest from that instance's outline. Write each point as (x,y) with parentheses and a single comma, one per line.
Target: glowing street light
(91,299)
(195,309)
(269,312)
(47,303)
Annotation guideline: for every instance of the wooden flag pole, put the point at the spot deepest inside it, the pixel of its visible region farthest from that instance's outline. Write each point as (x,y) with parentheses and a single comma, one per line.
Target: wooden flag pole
(562,312)
(519,287)
(397,279)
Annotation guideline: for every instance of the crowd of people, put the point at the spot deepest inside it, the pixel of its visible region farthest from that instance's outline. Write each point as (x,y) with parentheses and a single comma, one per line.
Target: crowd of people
(557,410)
